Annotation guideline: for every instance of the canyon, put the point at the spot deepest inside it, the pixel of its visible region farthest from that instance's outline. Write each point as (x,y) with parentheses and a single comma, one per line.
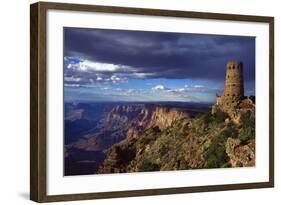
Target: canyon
(105,125)
(139,137)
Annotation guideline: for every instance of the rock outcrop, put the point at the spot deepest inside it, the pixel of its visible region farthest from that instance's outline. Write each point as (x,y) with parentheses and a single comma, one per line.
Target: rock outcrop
(164,117)
(241,155)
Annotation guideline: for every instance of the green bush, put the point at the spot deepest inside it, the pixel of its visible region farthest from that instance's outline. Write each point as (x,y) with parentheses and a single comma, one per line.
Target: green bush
(217,118)
(247,134)
(216,155)
(247,131)
(207,118)
(147,166)
(212,161)
(248,119)
(229,132)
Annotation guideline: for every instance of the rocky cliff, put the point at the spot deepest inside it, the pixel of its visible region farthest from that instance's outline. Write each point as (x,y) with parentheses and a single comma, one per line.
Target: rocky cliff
(241,155)
(120,122)
(129,121)
(174,141)
(163,117)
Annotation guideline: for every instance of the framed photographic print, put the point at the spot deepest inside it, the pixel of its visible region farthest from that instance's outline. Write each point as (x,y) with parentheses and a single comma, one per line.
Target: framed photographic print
(134,102)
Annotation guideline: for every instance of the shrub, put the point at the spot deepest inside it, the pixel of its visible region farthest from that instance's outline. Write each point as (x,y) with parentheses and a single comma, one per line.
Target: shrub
(229,132)
(147,166)
(216,118)
(216,155)
(247,134)
(207,118)
(248,119)
(247,131)
(212,161)
(220,116)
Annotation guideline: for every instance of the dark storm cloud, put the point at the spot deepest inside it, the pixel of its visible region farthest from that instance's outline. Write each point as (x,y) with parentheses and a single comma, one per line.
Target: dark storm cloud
(161,54)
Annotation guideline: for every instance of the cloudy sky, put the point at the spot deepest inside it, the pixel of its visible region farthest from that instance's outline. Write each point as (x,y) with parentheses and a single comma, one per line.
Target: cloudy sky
(115,65)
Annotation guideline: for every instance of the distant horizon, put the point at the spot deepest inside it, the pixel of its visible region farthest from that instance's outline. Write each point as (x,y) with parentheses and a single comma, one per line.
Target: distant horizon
(86,101)
(92,101)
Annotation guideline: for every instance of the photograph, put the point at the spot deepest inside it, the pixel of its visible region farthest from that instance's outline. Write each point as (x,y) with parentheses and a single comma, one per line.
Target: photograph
(145,101)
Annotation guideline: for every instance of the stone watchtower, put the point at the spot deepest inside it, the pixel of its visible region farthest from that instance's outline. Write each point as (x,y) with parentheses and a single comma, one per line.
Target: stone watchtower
(234,83)
(233,88)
